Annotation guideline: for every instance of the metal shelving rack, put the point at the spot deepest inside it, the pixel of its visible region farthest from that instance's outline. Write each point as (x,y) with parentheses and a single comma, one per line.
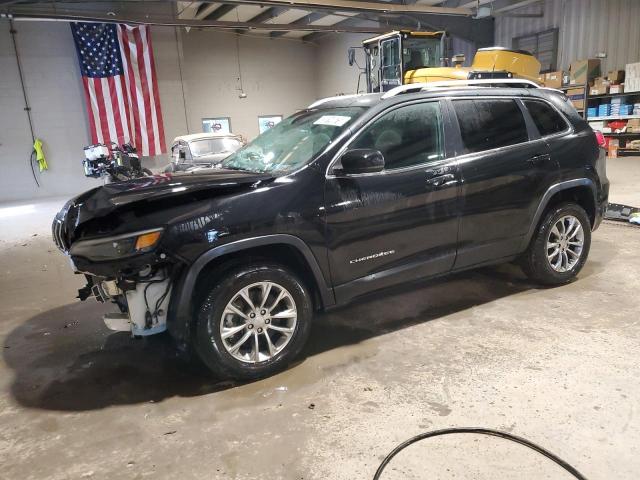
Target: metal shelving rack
(622,151)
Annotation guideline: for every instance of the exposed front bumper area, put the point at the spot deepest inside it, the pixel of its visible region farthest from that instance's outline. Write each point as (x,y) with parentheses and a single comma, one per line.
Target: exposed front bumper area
(143,304)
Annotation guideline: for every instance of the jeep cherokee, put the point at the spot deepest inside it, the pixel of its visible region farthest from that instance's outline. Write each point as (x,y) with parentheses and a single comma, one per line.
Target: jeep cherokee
(348,197)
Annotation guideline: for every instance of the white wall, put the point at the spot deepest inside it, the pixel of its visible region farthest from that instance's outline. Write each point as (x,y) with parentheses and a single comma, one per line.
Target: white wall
(278,77)
(586,27)
(333,72)
(55,95)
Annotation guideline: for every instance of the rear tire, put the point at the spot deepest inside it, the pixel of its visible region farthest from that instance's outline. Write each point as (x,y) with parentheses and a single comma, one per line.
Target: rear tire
(560,246)
(253,322)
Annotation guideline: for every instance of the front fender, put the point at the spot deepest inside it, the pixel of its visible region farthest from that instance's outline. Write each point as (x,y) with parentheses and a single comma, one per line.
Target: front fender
(181,308)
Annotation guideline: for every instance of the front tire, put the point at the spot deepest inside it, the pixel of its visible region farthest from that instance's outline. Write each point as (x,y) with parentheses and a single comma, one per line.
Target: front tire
(560,246)
(253,322)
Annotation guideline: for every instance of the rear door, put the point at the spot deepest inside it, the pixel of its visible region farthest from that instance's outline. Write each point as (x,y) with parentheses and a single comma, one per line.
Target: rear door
(506,168)
(552,128)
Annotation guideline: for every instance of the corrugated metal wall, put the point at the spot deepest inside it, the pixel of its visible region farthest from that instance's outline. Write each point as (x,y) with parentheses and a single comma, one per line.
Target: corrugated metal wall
(586,27)
(462,46)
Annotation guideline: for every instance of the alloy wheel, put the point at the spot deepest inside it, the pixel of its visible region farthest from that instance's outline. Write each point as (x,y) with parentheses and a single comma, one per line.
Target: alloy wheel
(565,244)
(258,322)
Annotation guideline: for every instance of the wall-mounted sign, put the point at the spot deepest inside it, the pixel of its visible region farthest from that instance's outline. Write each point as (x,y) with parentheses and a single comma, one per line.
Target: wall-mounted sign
(216,125)
(265,122)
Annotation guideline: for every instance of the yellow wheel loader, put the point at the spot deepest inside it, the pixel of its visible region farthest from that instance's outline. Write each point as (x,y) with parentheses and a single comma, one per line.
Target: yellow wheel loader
(404,57)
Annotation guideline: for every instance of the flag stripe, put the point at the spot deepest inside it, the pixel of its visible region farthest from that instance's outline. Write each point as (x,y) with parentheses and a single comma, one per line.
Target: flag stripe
(92,121)
(123,103)
(130,80)
(156,96)
(102,112)
(108,108)
(138,101)
(154,140)
(144,87)
(115,108)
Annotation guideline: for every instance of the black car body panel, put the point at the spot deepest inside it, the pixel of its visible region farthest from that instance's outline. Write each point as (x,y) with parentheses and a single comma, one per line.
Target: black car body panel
(354,234)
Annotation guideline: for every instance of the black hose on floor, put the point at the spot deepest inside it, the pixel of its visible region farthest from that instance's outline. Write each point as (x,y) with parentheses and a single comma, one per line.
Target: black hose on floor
(480,431)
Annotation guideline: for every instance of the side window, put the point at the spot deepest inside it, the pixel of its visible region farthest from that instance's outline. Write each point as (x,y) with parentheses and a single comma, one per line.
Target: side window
(487,124)
(546,118)
(406,136)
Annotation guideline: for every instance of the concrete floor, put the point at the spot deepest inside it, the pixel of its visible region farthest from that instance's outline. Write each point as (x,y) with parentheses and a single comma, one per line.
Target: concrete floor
(557,366)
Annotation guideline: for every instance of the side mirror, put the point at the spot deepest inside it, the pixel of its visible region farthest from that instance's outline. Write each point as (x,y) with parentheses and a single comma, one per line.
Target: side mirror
(362,160)
(351,55)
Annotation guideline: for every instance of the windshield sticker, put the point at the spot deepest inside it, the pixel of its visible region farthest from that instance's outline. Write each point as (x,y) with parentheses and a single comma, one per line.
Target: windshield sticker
(332,120)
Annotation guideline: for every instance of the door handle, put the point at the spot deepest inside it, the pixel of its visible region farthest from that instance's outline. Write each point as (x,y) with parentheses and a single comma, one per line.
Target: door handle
(539,158)
(436,172)
(441,179)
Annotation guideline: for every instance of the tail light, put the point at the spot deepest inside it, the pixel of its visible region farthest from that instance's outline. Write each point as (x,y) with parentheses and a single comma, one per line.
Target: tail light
(600,138)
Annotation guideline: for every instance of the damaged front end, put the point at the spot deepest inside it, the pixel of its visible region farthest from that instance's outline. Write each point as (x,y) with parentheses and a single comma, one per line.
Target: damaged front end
(143,300)
(127,270)
(133,240)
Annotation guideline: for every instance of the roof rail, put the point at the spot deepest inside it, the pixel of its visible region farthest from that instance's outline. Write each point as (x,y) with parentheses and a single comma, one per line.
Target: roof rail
(328,99)
(418,87)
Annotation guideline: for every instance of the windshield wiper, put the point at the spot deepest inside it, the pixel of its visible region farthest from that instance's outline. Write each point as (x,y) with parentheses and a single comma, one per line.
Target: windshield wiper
(237,168)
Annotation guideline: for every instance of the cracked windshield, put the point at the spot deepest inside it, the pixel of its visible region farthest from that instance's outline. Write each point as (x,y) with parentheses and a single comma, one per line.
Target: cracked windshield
(293,142)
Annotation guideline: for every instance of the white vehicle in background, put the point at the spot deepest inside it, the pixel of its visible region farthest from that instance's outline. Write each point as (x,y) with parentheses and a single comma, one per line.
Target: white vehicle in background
(201,150)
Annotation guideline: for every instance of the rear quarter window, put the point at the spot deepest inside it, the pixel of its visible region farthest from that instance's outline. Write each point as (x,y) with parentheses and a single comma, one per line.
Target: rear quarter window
(546,118)
(490,123)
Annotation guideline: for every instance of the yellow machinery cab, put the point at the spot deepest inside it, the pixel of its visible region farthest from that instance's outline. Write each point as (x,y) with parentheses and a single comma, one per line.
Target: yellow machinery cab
(390,56)
(404,57)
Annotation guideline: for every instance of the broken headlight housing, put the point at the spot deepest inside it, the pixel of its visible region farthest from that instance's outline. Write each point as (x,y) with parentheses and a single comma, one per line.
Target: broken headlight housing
(114,248)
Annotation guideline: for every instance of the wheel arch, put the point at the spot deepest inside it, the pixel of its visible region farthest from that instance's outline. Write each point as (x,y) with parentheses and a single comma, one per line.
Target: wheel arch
(289,250)
(581,190)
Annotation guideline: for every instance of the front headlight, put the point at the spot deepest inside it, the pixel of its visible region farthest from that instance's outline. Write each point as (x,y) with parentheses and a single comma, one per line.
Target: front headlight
(121,246)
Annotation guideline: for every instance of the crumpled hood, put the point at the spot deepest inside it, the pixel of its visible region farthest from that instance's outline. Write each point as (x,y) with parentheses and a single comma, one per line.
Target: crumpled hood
(103,200)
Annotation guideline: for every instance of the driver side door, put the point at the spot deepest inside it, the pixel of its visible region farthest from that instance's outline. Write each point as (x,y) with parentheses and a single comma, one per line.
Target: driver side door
(401,223)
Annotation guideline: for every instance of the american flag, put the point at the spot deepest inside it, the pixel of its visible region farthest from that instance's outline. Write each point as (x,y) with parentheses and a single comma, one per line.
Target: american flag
(119,78)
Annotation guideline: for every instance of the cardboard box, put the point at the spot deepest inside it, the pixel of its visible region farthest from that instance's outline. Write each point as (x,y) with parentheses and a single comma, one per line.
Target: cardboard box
(553,79)
(632,85)
(576,95)
(633,125)
(619,88)
(632,70)
(581,71)
(540,79)
(615,76)
(601,90)
(600,86)
(613,151)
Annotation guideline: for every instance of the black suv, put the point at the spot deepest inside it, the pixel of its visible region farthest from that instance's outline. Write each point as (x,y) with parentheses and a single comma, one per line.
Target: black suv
(348,197)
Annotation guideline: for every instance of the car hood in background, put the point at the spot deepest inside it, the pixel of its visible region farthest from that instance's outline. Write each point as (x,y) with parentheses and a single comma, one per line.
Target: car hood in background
(213,158)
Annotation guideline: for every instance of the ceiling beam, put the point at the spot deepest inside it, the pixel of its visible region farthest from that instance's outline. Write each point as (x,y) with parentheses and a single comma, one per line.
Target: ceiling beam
(32,14)
(357,6)
(479,31)
(206,9)
(515,6)
(217,12)
(268,14)
(474,3)
(306,20)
